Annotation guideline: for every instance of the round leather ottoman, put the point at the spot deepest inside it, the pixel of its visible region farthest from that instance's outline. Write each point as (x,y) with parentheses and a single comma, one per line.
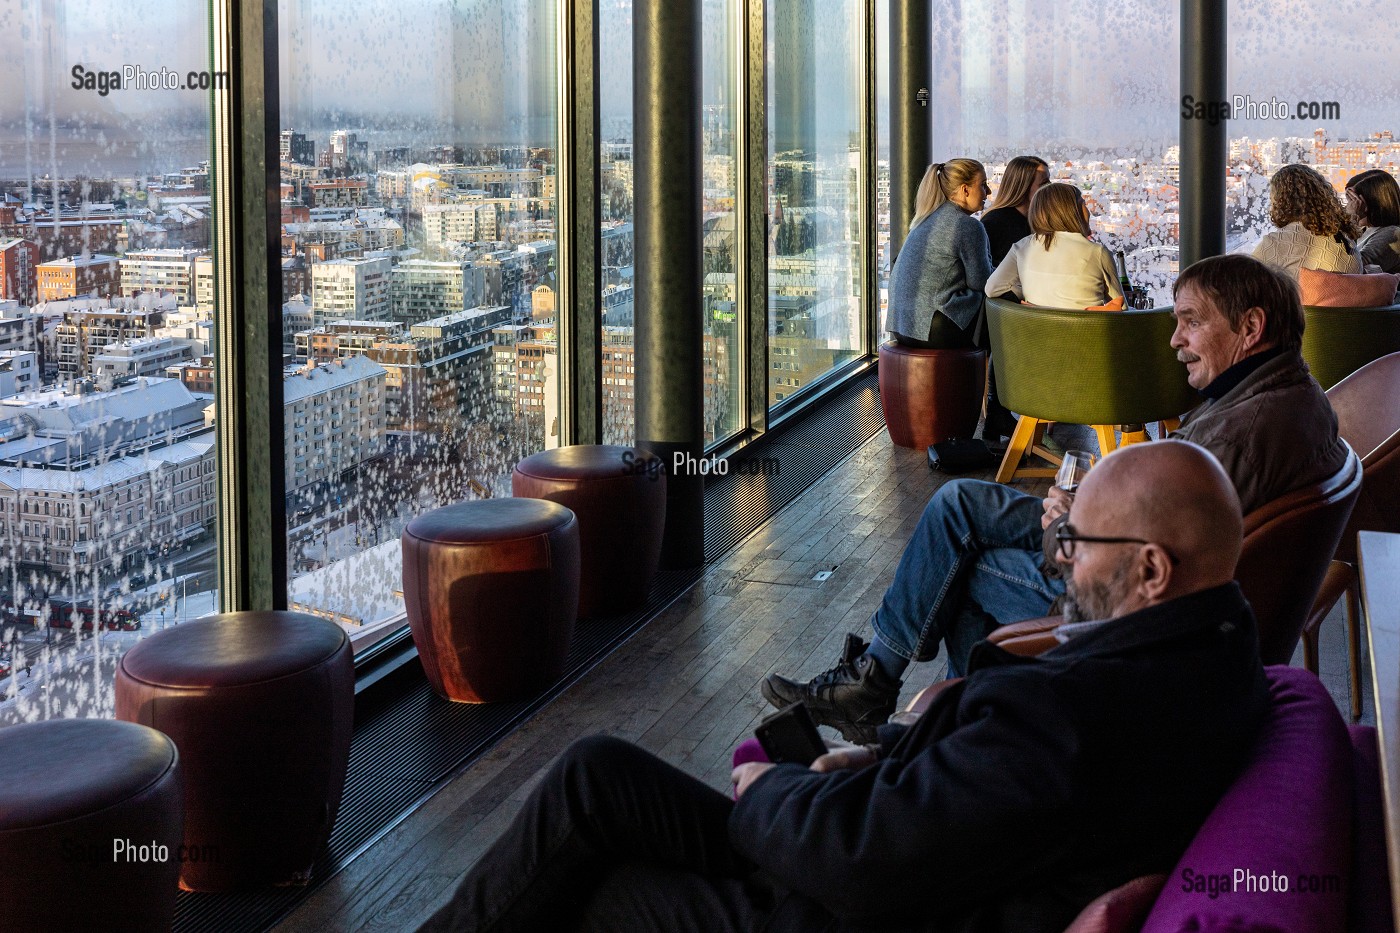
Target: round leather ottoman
(90,817)
(260,705)
(929,396)
(491,589)
(618,495)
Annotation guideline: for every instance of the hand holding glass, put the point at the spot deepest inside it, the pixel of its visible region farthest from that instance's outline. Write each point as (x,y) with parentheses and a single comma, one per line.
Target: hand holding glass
(1073,469)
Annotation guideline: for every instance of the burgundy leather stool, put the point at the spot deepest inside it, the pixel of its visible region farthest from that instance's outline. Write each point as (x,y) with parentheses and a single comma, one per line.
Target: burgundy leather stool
(491,588)
(90,817)
(260,705)
(929,396)
(618,495)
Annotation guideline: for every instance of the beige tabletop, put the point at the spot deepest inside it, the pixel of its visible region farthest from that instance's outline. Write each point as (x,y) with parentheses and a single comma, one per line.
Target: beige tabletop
(1380,597)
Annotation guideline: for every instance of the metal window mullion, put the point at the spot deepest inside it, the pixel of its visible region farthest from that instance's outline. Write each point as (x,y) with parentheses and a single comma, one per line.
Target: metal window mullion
(580,220)
(869,247)
(252,567)
(751,226)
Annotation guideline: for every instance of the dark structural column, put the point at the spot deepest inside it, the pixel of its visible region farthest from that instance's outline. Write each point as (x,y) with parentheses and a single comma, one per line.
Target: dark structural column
(911,121)
(252,526)
(1204,150)
(669,380)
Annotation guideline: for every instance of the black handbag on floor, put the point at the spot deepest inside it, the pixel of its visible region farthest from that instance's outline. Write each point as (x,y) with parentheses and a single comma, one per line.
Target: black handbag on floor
(961,455)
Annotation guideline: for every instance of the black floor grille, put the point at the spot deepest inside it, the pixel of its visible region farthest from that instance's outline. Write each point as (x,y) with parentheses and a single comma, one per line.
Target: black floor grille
(736,505)
(388,777)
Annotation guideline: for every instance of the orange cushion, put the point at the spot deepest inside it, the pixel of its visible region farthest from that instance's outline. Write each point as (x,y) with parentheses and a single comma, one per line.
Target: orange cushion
(1114,305)
(1343,290)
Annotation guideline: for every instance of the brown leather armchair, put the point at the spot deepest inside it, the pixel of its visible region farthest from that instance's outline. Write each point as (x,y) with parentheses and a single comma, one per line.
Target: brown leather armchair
(1288,544)
(1367,404)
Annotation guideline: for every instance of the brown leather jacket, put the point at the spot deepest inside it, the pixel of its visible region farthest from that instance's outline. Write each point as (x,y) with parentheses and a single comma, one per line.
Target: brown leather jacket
(1273,433)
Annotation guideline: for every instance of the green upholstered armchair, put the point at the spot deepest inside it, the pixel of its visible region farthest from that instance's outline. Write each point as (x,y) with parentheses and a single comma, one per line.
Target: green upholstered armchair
(1339,341)
(1083,367)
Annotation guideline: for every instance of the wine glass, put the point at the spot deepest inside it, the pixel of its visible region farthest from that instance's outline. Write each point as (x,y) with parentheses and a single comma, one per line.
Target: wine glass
(1072,470)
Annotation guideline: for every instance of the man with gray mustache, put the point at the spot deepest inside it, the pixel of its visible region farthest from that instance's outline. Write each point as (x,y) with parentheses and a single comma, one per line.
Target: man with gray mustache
(977,559)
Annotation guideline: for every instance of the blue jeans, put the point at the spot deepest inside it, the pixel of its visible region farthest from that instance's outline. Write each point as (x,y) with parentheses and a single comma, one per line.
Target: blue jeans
(973,564)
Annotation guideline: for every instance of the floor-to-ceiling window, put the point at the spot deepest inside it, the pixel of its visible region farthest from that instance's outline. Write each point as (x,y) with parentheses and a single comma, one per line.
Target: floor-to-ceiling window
(1092,88)
(1332,107)
(419,273)
(721,42)
(106,313)
(816,76)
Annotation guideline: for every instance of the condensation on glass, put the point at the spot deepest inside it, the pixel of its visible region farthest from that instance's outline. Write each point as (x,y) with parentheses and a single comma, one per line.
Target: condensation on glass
(420,278)
(1332,107)
(720,42)
(1091,88)
(106,375)
(816,74)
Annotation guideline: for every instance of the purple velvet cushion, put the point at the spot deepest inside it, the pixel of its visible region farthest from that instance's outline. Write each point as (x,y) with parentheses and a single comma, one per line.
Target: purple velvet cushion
(1370,886)
(1288,816)
(749,750)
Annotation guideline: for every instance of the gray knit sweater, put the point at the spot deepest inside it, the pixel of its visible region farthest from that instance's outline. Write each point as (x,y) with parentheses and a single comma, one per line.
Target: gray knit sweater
(943,266)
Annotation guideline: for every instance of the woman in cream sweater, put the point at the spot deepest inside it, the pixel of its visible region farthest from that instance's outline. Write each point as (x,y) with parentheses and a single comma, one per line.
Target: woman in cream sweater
(1058,266)
(1314,232)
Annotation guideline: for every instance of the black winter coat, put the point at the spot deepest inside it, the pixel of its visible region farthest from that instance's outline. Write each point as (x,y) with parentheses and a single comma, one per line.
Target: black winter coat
(1028,789)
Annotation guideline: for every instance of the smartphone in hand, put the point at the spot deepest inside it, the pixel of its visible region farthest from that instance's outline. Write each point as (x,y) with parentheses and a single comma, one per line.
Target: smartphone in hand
(790,735)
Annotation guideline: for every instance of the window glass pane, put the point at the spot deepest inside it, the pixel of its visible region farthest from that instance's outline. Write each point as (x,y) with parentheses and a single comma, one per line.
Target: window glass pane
(721,334)
(106,311)
(1333,108)
(107,443)
(815,321)
(419,275)
(1091,88)
(723,60)
(615,207)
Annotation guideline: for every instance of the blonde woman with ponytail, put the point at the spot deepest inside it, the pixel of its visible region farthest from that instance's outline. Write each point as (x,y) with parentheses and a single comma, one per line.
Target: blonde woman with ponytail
(936,284)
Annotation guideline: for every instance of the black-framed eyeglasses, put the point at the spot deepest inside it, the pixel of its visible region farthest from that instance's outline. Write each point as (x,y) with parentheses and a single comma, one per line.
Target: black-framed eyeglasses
(1066,538)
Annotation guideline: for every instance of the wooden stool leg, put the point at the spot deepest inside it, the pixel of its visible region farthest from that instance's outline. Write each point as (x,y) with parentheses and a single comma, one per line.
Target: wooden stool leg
(1354,648)
(1137,436)
(1310,651)
(1020,442)
(1107,442)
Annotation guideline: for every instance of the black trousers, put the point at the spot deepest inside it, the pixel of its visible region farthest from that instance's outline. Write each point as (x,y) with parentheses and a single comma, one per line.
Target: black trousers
(613,838)
(943,335)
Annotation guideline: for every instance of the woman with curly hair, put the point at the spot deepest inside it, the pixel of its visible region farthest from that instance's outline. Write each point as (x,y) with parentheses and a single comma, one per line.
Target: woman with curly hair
(1314,231)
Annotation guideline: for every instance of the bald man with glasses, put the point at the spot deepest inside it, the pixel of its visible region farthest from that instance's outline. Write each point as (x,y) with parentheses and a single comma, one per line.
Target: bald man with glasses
(1022,793)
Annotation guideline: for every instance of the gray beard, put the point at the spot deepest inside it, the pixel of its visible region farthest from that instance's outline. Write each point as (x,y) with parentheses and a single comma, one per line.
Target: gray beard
(1072,610)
